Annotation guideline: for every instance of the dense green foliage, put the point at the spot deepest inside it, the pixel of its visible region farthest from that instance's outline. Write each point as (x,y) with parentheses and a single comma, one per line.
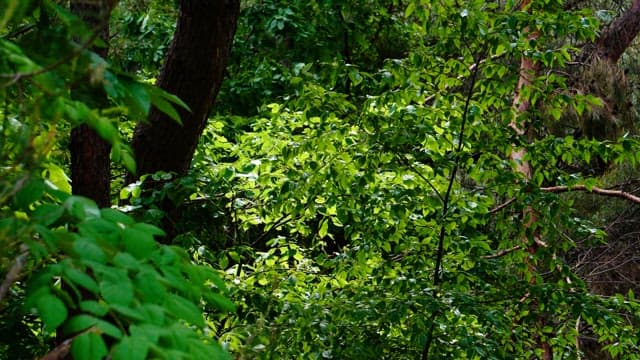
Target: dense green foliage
(352,195)
(96,273)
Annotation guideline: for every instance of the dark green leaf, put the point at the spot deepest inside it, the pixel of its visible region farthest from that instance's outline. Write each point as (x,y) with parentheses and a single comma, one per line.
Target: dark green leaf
(93,307)
(87,249)
(81,278)
(89,346)
(138,243)
(51,309)
(219,301)
(29,193)
(182,308)
(131,348)
(117,292)
(82,208)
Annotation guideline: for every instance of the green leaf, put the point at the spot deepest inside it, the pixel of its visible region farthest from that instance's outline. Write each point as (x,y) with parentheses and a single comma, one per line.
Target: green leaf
(100,229)
(122,153)
(150,287)
(52,310)
(57,177)
(126,261)
(182,308)
(83,322)
(89,346)
(116,216)
(29,193)
(149,229)
(154,314)
(87,249)
(137,98)
(104,128)
(219,301)
(138,243)
(81,278)
(93,307)
(324,228)
(129,161)
(164,101)
(118,292)
(131,348)
(164,106)
(47,214)
(127,311)
(82,208)
(411,7)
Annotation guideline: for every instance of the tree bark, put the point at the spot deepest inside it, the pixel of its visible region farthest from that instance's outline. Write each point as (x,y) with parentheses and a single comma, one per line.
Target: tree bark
(616,39)
(193,71)
(90,162)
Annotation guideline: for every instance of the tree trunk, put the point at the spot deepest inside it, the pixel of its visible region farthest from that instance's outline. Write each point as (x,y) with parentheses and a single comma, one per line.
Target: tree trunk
(528,72)
(90,162)
(616,39)
(193,70)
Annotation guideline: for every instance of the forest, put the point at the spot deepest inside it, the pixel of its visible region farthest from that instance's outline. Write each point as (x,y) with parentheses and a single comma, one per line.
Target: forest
(319,179)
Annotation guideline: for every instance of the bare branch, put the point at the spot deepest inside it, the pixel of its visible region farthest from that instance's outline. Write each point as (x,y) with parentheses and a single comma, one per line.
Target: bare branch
(59,352)
(594,189)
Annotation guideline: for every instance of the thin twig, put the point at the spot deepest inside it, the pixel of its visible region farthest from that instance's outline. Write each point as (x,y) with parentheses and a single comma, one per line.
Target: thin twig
(413,168)
(502,206)
(503,252)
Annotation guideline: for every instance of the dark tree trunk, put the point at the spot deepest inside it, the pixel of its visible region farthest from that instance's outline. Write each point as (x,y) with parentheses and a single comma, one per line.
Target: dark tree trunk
(90,163)
(616,39)
(193,70)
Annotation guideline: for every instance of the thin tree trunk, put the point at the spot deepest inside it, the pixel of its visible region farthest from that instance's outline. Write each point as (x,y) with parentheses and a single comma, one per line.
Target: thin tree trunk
(193,70)
(90,162)
(528,72)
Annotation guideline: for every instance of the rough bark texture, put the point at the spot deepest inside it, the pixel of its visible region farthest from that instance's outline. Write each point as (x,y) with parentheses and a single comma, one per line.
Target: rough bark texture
(193,70)
(616,39)
(90,162)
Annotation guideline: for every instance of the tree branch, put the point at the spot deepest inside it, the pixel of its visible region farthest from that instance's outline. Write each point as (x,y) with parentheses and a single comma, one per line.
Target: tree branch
(502,206)
(594,189)
(502,252)
(618,37)
(14,272)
